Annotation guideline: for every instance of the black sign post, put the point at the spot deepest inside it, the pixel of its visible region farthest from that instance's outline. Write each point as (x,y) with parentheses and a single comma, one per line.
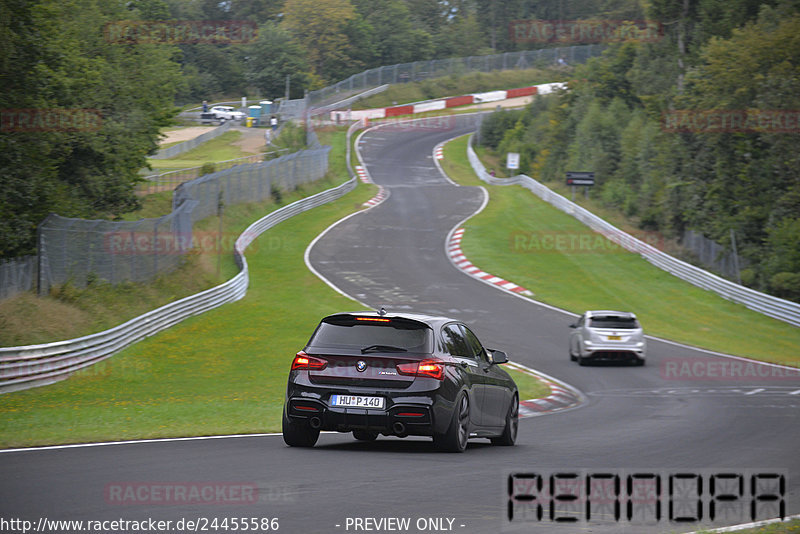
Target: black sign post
(585,178)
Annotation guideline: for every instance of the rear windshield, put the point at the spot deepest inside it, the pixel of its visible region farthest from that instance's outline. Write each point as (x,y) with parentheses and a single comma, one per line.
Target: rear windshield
(350,332)
(612,321)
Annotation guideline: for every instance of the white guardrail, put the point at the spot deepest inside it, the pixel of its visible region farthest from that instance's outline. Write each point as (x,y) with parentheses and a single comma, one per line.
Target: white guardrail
(778,308)
(37,365)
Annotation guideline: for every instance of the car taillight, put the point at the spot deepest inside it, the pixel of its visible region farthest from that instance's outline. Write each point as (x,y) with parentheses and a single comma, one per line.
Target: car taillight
(304,362)
(429,368)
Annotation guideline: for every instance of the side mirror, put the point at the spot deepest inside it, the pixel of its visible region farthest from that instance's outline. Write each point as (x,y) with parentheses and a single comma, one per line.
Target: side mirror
(498,357)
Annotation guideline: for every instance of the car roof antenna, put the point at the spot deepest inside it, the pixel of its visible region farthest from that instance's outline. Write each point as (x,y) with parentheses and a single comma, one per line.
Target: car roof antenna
(382,311)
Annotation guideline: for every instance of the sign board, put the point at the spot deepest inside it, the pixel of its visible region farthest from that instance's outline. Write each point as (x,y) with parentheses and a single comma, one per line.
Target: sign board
(580,178)
(512,160)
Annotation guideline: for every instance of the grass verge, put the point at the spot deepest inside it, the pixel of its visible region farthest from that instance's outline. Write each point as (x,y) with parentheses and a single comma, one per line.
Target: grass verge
(218,149)
(523,239)
(221,372)
(792,526)
(69,312)
(529,387)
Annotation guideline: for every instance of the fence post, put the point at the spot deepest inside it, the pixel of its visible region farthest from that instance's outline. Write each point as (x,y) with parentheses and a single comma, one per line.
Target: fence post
(40,252)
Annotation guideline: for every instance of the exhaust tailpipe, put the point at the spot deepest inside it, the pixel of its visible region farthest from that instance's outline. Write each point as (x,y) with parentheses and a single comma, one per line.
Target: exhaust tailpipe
(315,423)
(399,429)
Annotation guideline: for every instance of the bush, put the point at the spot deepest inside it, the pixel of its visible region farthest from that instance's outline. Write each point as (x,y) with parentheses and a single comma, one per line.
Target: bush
(786,285)
(208,168)
(276,195)
(495,125)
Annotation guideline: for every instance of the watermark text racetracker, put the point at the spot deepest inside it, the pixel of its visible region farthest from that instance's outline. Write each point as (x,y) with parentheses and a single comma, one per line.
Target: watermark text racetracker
(166,243)
(50,120)
(689,369)
(194,493)
(585,241)
(180,32)
(584,31)
(731,121)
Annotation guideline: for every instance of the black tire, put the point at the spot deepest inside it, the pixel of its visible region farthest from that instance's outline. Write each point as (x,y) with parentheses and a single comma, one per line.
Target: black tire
(640,362)
(571,356)
(299,434)
(457,435)
(509,436)
(581,360)
(365,435)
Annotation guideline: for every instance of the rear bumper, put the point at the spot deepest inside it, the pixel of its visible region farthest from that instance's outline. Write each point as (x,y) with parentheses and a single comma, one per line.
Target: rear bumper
(613,355)
(401,418)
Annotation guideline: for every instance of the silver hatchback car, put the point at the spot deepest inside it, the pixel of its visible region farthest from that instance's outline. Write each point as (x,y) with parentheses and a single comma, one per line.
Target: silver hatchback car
(607,336)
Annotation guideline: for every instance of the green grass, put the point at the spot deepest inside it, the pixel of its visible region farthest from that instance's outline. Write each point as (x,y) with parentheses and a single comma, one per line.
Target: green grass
(529,387)
(515,237)
(217,149)
(69,312)
(773,528)
(222,372)
(447,86)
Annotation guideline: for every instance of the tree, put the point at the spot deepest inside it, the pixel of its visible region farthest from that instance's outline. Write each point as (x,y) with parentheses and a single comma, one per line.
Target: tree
(272,58)
(395,39)
(319,27)
(55,59)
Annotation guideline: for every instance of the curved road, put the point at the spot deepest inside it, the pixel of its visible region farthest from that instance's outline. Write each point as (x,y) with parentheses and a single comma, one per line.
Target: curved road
(634,421)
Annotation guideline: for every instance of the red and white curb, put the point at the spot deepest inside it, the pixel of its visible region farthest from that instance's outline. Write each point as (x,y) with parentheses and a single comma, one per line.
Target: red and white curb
(461,261)
(362,174)
(364,177)
(562,396)
(439,152)
(445,103)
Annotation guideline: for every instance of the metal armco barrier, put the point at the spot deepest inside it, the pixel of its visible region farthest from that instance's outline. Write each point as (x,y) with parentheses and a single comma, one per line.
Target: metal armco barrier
(775,307)
(37,365)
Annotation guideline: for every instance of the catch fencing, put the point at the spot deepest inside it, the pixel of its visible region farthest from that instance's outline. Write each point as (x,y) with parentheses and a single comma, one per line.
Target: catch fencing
(37,365)
(251,183)
(168,181)
(778,308)
(180,148)
(80,252)
(30,366)
(436,68)
(17,275)
(714,256)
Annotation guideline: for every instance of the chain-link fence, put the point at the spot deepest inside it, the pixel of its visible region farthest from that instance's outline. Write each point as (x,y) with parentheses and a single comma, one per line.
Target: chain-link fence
(251,183)
(17,275)
(714,256)
(79,251)
(435,68)
(168,181)
(180,148)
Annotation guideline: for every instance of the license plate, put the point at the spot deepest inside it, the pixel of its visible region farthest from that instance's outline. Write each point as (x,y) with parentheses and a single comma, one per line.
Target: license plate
(357,401)
(615,338)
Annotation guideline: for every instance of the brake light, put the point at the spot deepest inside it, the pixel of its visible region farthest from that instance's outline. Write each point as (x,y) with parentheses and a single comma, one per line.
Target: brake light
(304,362)
(373,319)
(429,368)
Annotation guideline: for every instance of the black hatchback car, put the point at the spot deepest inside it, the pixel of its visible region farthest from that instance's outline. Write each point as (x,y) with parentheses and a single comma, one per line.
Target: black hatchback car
(399,374)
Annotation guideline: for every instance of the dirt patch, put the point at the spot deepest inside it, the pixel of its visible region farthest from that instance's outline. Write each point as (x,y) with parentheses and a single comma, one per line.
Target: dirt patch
(508,103)
(252,140)
(184,134)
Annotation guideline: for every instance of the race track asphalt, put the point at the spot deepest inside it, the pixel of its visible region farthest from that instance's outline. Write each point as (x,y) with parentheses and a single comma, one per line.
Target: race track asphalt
(634,421)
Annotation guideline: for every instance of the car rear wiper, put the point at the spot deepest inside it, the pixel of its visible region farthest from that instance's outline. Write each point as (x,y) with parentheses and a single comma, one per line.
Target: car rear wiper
(382,348)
